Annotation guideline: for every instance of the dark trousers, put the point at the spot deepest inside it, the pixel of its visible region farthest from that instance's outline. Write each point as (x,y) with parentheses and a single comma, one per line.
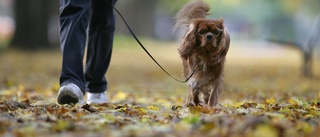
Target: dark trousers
(80,19)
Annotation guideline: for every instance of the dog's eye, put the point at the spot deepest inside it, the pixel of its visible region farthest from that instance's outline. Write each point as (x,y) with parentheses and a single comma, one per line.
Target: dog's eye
(202,32)
(215,32)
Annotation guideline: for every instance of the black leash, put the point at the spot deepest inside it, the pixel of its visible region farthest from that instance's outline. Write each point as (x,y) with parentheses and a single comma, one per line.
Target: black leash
(141,45)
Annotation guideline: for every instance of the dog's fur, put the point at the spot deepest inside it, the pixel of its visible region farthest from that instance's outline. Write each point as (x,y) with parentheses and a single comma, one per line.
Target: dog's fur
(204,49)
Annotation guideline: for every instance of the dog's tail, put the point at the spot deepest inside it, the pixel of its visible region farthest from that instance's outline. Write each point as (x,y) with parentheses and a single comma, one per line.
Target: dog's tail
(190,11)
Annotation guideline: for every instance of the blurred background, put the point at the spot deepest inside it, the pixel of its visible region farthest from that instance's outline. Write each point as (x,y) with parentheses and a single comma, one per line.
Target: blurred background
(263,32)
(33,24)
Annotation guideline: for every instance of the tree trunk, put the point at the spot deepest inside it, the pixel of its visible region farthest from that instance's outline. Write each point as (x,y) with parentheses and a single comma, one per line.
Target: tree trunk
(307,65)
(31,17)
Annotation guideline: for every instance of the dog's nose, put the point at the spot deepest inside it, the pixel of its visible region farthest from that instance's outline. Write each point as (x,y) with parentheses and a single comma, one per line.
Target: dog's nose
(209,36)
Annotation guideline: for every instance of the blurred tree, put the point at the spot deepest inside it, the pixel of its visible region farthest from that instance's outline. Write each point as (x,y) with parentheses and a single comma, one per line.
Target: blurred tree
(32,19)
(290,22)
(149,18)
(306,41)
(140,15)
(303,30)
(173,5)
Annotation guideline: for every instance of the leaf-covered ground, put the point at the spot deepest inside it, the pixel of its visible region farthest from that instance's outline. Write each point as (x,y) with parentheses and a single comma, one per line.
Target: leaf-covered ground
(263,95)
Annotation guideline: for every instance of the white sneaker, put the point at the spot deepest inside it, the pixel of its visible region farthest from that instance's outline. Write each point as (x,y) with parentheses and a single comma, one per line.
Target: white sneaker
(96,98)
(69,94)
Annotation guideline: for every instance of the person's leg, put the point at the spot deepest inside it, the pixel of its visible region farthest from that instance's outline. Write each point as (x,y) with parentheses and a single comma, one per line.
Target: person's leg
(101,31)
(74,15)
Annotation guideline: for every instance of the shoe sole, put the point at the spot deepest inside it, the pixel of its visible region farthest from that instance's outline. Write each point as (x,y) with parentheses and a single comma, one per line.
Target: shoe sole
(67,97)
(96,102)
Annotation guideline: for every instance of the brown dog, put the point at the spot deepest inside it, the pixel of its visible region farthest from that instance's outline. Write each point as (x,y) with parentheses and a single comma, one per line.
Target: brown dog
(203,52)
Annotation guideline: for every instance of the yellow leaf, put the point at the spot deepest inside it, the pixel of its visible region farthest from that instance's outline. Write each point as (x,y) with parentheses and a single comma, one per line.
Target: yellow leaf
(62,125)
(142,100)
(153,107)
(195,110)
(109,118)
(163,102)
(145,120)
(305,127)
(120,95)
(21,87)
(179,101)
(292,102)
(285,110)
(270,101)
(295,102)
(313,113)
(276,115)
(6,92)
(238,105)
(207,127)
(261,106)
(265,131)
(55,87)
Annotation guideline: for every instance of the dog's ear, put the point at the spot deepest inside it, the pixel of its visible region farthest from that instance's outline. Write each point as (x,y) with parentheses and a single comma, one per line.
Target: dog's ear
(225,44)
(221,24)
(189,41)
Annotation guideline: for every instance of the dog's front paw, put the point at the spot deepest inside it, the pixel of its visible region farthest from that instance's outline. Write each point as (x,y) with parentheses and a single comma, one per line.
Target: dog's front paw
(190,103)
